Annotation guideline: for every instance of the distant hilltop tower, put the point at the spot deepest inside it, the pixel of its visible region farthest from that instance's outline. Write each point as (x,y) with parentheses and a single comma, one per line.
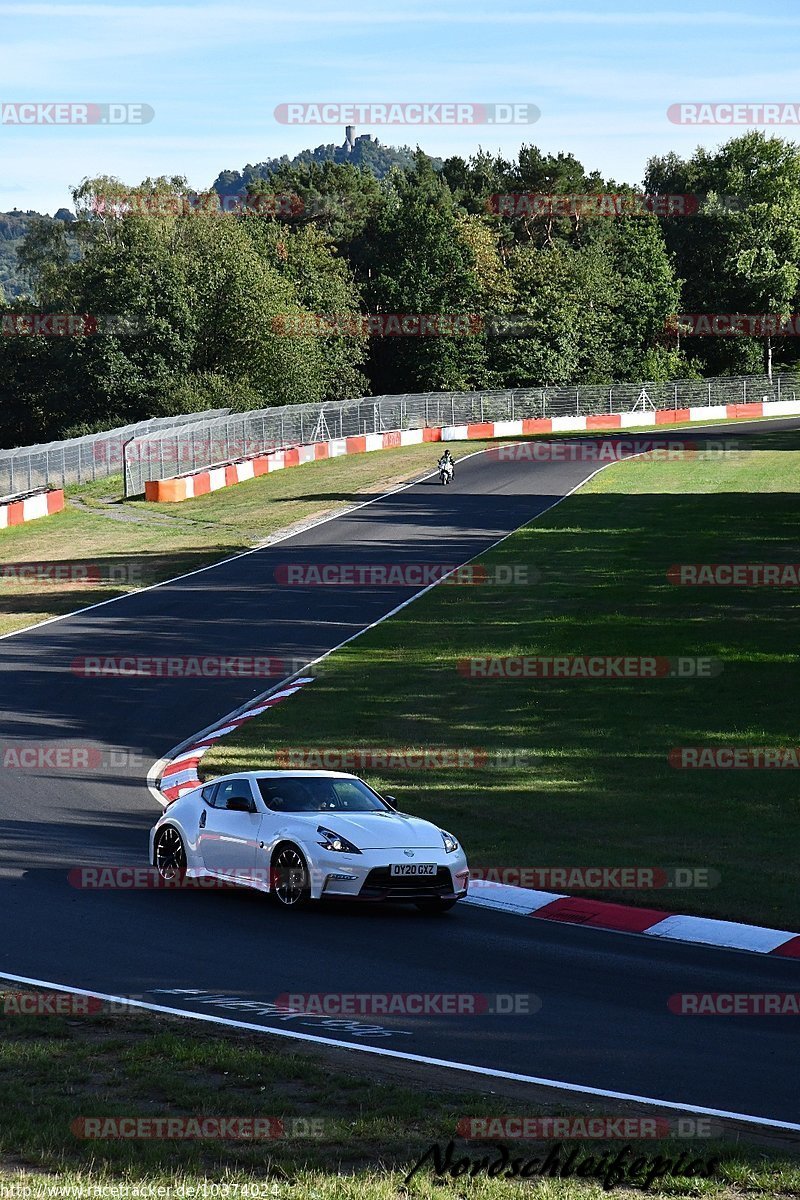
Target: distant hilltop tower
(349,138)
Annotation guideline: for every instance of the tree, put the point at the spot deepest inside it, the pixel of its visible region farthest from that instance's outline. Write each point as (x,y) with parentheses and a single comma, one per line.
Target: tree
(741,252)
(413,261)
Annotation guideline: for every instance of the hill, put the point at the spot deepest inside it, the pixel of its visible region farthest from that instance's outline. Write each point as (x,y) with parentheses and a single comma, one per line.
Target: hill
(365,152)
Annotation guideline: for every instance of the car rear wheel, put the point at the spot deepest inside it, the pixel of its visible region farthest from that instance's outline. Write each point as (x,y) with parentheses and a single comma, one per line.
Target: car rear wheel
(434,906)
(169,854)
(290,884)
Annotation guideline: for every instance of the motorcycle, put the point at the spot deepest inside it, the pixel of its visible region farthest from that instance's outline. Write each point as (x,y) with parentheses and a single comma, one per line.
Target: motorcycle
(446,473)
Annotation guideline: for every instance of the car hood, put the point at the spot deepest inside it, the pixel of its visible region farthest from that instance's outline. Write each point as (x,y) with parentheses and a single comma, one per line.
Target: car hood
(380,831)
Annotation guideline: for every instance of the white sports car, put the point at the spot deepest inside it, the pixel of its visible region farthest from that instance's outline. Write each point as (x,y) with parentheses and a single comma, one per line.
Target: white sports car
(303,835)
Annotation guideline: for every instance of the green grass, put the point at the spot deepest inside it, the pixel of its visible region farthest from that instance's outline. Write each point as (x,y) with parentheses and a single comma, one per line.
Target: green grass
(375,1126)
(600,791)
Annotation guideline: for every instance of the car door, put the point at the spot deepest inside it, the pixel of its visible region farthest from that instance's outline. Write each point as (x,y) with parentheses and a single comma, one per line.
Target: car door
(228,836)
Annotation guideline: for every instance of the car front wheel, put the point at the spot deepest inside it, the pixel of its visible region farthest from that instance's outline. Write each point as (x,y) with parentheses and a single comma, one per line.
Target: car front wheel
(290,884)
(169,855)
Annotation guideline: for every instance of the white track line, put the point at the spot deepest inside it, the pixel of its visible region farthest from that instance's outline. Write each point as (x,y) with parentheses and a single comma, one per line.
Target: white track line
(580,1089)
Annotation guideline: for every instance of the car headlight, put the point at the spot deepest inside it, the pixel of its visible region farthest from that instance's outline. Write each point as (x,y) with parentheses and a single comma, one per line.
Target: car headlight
(333,841)
(450,843)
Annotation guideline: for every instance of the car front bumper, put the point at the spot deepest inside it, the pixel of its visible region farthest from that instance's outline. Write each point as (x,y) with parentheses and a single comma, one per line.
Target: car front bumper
(367,876)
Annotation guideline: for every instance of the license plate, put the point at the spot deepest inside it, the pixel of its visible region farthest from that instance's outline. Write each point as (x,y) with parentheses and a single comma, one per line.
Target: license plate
(413,869)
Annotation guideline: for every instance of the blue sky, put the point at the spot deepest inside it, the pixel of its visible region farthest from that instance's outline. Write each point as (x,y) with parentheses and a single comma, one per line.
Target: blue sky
(603,73)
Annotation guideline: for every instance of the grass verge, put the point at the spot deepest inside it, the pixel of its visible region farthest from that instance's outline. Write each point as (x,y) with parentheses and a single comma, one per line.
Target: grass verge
(586,779)
(369,1129)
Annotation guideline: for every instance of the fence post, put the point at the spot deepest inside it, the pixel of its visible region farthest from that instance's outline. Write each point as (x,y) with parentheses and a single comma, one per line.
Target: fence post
(126,483)
(481,408)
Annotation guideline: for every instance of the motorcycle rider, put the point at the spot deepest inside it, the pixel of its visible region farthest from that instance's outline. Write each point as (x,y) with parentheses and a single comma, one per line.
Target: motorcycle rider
(447,463)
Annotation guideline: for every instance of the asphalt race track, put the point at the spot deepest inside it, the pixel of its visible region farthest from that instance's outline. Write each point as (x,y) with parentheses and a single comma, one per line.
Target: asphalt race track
(604,1021)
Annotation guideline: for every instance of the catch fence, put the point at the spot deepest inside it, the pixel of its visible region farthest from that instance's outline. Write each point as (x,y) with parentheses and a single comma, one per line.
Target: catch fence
(211,441)
(80,459)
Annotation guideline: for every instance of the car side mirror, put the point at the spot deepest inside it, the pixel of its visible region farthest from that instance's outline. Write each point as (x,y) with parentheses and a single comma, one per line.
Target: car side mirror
(239,804)
(391,801)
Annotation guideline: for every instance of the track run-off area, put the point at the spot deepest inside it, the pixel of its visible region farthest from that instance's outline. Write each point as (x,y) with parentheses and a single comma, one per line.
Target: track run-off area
(603,1027)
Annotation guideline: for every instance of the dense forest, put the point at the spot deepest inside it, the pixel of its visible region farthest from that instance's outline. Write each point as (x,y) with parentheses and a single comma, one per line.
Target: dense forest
(197,302)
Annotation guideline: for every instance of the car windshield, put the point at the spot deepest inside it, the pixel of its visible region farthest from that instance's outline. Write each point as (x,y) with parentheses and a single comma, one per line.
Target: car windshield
(319,795)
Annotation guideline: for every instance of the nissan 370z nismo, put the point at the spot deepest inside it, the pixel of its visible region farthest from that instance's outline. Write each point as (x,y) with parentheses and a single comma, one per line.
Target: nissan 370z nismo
(305,835)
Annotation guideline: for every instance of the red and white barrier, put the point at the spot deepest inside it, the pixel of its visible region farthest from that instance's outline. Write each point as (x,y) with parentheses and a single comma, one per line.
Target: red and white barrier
(180,774)
(187,487)
(20,509)
(625,918)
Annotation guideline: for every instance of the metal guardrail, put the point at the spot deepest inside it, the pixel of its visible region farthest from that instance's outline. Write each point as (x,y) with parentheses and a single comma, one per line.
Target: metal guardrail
(81,459)
(206,442)
(168,446)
